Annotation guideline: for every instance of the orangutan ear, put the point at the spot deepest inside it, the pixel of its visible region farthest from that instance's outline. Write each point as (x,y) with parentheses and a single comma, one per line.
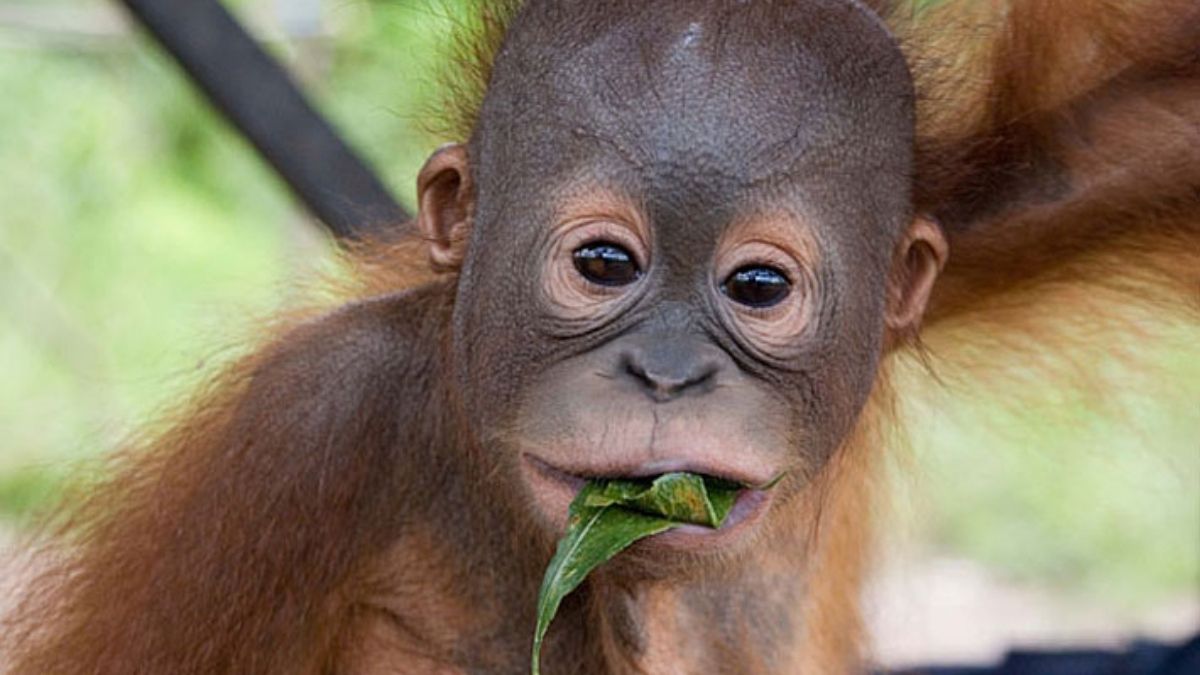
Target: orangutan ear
(919,259)
(445,199)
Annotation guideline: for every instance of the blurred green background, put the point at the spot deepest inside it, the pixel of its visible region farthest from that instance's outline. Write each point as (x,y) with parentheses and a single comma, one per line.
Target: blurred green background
(140,238)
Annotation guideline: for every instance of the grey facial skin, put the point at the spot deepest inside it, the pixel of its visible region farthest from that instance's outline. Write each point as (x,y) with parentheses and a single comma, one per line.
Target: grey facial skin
(693,117)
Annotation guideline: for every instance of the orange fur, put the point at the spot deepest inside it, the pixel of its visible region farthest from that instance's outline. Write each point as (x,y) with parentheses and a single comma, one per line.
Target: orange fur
(1056,145)
(1057,148)
(478,36)
(842,517)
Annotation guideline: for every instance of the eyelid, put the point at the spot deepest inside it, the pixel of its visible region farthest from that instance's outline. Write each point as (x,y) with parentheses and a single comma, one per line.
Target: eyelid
(757,253)
(583,231)
(782,271)
(574,304)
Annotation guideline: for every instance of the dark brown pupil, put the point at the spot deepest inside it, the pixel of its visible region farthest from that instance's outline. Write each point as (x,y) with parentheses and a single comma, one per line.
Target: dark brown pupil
(757,286)
(606,264)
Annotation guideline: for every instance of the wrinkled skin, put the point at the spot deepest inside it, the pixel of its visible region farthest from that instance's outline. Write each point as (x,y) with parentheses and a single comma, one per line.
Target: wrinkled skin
(699,140)
(701,137)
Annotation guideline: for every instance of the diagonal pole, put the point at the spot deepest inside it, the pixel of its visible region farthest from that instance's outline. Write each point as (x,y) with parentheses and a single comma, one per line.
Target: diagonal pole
(266,105)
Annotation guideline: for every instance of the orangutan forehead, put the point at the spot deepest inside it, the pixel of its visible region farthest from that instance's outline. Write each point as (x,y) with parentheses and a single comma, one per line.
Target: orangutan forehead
(743,89)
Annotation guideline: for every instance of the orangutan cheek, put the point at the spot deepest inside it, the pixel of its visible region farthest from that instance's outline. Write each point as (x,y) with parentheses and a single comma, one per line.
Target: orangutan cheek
(834,376)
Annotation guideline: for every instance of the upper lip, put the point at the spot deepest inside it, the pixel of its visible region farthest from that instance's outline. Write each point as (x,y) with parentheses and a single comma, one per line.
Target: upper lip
(652,468)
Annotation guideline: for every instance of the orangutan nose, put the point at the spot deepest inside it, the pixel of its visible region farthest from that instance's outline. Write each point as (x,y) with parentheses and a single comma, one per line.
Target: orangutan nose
(667,369)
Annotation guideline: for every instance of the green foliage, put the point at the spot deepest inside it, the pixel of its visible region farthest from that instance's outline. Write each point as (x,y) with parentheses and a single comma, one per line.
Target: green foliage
(682,497)
(132,223)
(138,232)
(1093,491)
(606,517)
(28,489)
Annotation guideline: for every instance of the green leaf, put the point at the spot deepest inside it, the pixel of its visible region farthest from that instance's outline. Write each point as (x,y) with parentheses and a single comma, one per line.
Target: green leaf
(608,516)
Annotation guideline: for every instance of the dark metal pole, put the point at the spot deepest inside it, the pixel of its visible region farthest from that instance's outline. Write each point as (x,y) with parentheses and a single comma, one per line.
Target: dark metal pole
(262,101)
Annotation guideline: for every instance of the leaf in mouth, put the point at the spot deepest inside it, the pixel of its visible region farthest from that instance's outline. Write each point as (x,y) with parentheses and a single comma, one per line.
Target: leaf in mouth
(609,515)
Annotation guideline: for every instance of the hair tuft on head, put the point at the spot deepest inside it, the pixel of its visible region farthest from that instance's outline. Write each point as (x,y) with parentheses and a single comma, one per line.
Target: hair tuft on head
(480,27)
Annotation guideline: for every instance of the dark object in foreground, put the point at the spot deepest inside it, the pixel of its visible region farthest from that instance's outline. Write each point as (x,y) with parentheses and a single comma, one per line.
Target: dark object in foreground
(259,98)
(1143,658)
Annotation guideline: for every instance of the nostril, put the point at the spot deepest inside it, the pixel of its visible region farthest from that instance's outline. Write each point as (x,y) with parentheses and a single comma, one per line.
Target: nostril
(664,383)
(705,375)
(638,373)
(702,379)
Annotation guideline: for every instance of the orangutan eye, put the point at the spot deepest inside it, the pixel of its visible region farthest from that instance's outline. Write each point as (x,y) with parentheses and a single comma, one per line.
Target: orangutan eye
(606,264)
(757,286)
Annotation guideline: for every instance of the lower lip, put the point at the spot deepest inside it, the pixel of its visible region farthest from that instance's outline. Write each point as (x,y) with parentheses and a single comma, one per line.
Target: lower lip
(747,510)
